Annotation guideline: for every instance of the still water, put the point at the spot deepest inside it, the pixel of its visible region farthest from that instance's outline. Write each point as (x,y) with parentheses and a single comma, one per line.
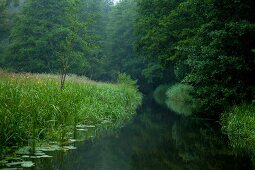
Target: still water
(155,139)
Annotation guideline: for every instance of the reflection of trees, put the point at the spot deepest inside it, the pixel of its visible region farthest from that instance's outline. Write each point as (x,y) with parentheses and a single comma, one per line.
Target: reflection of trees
(184,144)
(152,130)
(155,141)
(199,144)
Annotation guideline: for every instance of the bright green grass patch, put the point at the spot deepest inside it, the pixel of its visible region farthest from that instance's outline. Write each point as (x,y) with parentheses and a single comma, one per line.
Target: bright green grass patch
(180,100)
(239,124)
(33,108)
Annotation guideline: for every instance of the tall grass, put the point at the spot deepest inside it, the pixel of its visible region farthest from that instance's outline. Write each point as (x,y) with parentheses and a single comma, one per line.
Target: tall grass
(180,100)
(33,108)
(239,124)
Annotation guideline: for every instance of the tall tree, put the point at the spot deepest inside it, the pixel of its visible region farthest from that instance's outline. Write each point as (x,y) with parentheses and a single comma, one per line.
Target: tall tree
(4,27)
(221,57)
(96,14)
(155,41)
(46,33)
(120,39)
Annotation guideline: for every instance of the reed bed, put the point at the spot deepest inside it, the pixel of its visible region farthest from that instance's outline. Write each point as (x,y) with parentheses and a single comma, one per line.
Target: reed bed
(33,108)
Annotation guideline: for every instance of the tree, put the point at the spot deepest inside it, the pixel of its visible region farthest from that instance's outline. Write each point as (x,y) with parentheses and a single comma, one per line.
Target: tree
(120,38)
(4,27)
(221,57)
(46,35)
(155,40)
(208,44)
(96,15)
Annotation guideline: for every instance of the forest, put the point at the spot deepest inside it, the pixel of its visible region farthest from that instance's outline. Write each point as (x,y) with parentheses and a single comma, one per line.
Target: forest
(196,57)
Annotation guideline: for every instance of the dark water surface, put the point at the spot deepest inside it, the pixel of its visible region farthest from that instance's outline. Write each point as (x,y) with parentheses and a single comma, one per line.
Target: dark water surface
(156,139)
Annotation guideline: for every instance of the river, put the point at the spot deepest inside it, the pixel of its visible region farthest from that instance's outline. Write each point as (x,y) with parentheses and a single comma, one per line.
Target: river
(156,139)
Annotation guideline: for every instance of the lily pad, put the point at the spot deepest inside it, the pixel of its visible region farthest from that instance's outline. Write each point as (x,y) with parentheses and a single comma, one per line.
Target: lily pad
(45,156)
(39,153)
(70,147)
(49,148)
(82,129)
(40,156)
(85,126)
(27,164)
(72,140)
(13,164)
(25,156)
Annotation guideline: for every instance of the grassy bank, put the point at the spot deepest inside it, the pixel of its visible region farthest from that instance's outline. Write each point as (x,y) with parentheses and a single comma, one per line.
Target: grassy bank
(239,124)
(34,109)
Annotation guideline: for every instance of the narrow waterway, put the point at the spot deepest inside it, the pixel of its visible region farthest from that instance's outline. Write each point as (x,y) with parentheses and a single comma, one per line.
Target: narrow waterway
(156,139)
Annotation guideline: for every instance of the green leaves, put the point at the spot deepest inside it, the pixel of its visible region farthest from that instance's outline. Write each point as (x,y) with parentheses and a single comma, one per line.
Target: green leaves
(44,34)
(208,44)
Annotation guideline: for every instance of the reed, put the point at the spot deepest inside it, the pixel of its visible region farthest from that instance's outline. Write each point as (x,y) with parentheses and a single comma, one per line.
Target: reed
(33,108)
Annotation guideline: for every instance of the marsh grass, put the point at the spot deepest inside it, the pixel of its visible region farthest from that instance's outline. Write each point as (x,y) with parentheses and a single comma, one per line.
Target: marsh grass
(239,124)
(34,109)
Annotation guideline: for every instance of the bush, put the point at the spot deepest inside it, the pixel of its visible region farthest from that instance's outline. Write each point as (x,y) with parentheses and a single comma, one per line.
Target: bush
(123,78)
(239,124)
(180,100)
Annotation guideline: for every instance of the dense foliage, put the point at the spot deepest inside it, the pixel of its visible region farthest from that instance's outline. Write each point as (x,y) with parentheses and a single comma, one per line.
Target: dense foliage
(45,39)
(207,44)
(238,124)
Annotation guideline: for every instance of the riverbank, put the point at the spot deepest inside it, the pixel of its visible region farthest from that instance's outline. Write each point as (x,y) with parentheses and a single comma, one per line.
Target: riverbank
(239,124)
(33,108)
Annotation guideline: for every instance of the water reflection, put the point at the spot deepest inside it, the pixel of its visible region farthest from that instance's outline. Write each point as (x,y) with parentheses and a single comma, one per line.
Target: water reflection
(155,140)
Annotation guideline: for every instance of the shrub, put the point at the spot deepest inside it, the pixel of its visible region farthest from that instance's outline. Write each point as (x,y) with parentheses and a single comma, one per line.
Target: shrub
(123,78)
(239,124)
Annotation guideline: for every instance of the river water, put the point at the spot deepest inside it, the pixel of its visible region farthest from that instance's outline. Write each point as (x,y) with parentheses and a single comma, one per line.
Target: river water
(156,139)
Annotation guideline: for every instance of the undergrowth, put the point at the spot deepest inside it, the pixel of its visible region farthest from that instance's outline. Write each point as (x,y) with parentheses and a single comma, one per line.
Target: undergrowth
(239,124)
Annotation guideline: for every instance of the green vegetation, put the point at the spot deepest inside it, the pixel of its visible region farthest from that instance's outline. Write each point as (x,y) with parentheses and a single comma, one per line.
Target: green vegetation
(33,108)
(180,100)
(239,124)
(206,44)
(160,94)
(47,40)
